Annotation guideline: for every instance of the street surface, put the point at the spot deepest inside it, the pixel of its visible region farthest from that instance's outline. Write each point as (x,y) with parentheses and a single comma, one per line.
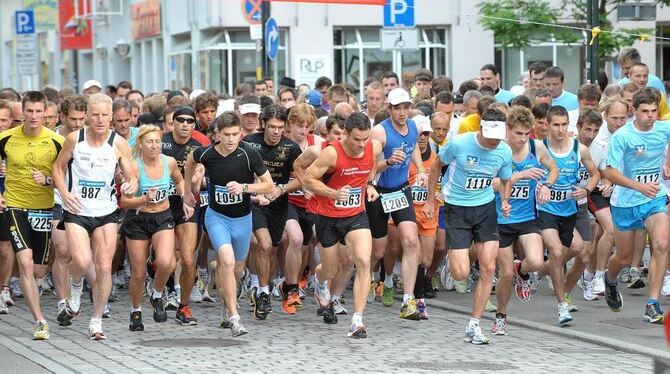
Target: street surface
(597,341)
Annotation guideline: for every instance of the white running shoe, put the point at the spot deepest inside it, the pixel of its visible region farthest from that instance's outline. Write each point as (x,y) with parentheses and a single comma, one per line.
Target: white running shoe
(337,306)
(665,290)
(15,285)
(564,315)
(73,300)
(95,329)
(3,306)
(196,296)
(588,289)
(599,284)
(6,296)
(474,335)
(446,279)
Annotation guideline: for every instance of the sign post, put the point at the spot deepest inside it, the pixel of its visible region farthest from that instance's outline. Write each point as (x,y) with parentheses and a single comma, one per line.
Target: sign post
(26,42)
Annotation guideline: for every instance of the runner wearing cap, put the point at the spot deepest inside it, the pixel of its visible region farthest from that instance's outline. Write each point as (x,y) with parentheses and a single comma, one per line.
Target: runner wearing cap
(474,160)
(91,87)
(398,135)
(248,108)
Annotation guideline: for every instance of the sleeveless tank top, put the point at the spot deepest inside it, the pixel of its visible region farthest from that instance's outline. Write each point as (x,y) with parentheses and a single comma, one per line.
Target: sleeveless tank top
(297,198)
(522,198)
(396,175)
(90,175)
(561,202)
(162,184)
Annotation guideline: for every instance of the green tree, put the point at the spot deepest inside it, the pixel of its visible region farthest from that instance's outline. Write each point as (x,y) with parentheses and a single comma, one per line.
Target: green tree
(522,34)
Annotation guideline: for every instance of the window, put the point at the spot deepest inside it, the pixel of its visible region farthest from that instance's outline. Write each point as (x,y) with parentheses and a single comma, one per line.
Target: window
(180,64)
(663,52)
(358,55)
(229,58)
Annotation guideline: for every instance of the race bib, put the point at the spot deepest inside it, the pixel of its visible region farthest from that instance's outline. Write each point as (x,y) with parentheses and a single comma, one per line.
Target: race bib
(477,182)
(394,201)
(560,193)
(204,198)
(39,221)
(520,192)
(419,194)
(583,175)
(90,189)
(223,197)
(299,192)
(173,190)
(161,193)
(651,175)
(354,201)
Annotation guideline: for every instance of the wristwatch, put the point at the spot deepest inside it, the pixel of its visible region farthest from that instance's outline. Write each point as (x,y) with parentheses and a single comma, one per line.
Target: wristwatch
(245,188)
(48,181)
(548,185)
(282,188)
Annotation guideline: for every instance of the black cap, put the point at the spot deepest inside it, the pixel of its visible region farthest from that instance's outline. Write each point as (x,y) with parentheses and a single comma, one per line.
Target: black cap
(158,115)
(184,110)
(174,93)
(425,110)
(287,82)
(146,119)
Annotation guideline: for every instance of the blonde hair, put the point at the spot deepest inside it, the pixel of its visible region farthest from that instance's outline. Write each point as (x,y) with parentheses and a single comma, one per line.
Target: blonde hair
(99,98)
(302,113)
(143,131)
(609,103)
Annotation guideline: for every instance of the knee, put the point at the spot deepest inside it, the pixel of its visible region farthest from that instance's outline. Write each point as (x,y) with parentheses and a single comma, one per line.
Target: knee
(330,273)
(660,246)
(487,270)
(427,260)
(103,268)
(505,272)
(62,253)
(410,243)
(165,263)
(187,261)
(534,263)
(362,262)
(227,264)
(459,272)
(347,261)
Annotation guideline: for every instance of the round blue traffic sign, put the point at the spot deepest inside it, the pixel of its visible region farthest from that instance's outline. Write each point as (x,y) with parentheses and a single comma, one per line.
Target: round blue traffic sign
(272,38)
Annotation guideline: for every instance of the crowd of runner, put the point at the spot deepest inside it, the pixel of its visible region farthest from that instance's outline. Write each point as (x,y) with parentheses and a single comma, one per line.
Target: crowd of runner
(261,198)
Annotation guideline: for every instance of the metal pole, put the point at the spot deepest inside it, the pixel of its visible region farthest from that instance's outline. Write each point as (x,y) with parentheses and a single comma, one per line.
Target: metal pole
(265,14)
(592,16)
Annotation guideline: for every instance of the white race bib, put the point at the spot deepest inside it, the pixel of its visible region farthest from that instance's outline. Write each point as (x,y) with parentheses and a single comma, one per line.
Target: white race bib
(353,201)
(394,201)
(520,192)
(560,193)
(419,194)
(223,197)
(651,175)
(40,222)
(204,198)
(477,182)
(90,189)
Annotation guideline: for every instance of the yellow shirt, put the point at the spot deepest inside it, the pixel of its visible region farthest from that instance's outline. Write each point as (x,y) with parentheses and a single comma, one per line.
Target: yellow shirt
(23,154)
(470,123)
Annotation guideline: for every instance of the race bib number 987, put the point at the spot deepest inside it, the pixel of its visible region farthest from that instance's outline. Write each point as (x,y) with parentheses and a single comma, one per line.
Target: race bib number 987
(90,189)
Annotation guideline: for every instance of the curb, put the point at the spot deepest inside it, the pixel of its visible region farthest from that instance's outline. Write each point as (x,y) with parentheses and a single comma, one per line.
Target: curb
(579,335)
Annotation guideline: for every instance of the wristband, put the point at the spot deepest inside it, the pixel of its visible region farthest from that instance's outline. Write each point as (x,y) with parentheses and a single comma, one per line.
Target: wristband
(387,162)
(282,188)
(48,181)
(548,185)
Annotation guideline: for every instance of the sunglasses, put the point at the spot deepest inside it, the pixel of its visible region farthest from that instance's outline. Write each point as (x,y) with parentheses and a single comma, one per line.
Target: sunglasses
(426,133)
(187,120)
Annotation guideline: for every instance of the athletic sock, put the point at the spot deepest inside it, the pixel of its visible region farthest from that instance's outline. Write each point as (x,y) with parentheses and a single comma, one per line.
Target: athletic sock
(254,280)
(265,289)
(397,268)
(418,285)
(406,297)
(588,276)
(156,295)
(388,282)
(651,301)
(133,309)
(473,322)
(357,319)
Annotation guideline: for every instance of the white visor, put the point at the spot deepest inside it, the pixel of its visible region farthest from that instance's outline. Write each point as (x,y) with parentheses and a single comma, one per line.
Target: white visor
(250,108)
(494,129)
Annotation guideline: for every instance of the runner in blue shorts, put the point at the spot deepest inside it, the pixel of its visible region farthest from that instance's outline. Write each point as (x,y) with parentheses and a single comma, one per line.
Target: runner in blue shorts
(232,167)
(634,162)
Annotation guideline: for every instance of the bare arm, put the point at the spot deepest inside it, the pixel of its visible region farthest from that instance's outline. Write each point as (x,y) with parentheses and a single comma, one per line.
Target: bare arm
(71,202)
(129,186)
(304,161)
(134,202)
(313,174)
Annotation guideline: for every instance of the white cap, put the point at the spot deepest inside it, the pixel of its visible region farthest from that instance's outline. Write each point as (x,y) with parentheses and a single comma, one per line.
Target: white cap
(225,106)
(494,129)
(399,96)
(250,108)
(422,123)
(91,83)
(195,93)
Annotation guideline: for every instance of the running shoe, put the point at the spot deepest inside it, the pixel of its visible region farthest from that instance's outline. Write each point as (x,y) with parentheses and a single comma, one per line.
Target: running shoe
(207,297)
(95,329)
(251,296)
(73,299)
(276,292)
(465,285)
(6,295)
(372,293)
(148,286)
(294,298)
(653,314)
(225,318)
(41,331)
(534,281)
(114,295)
(160,315)
(357,331)
(446,279)
(636,279)
(63,317)
(624,275)
(599,285)
(237,329)
(379,290)
(196,296)
(409,310)
(474,335)
(328,313)
(428,289)
(568,300)
(564,315)
(106,312)
(261,305)
(500,325)
(613,297)
(184,317)
(302,294)
(135,323)
(322,294)
(435,282)
(172,301)
(588,288)
(15,286)
(490,306)
(337,306)
(287,302)
(387,296)
(3,306)
(423,309)
(522,286)
(665,290)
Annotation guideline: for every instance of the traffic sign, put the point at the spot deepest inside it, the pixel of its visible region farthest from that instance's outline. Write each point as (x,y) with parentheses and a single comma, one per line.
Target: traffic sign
(399,39)
(26,54)
(24,20)
(252,11)
(272,38)
(399,13)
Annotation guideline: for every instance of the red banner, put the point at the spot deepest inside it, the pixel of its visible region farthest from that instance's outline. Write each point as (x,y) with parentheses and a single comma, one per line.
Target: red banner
(353,2)
(75,33)
(145,19)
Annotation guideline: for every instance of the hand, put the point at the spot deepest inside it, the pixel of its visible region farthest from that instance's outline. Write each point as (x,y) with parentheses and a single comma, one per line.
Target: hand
(2,204)
(39,177)
(422,179)
(505,208)
(189,199)
(235,188)
(275,194)
(198,174)
(439,197)
(3,169)
(532,173)
(580,193)
(128,188)
(542,194)
(188,210)
(606,189)
(260,200)
(342,194)
(71,202)
(649,190)
(429,209)
(151,194)
(308,194)
(372,193)
(397,157)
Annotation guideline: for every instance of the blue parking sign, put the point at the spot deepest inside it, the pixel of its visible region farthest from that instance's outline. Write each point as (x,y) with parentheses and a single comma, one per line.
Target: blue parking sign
(399,13)
(24,20)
